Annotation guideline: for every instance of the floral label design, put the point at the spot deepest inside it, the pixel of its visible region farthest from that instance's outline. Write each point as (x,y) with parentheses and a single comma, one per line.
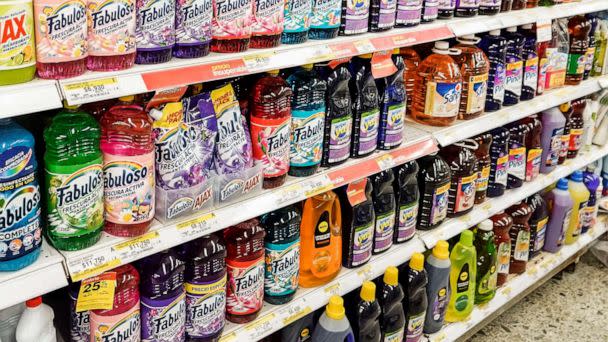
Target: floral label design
(498,88)
(407,221)
(500,175)
(205,308)
(79,322)
(61,30)
(465,194)
(232,19)
(556,71)
(394,336)
(362,244)
(385,227)
(112,27)
(483,176)
(517,162)
(414,327)
(556,146)
(514,75)
(565,140)
(282,267)
(155,24)
(339,139)
(306,137)
(576,64)
(356,16)
(408,12)
(128,188)
(326,14)
(271,144)
(163,320)
(531,73)
(575,139)
(387,13)
(504,257)
(442,99)
(297,15)
(75,204)
(395,118)
(193,21)
(439,208)
(476,97)
(533,163)
(440,304)
(267,17)
(245,291)
(16,35)
(124,327)
(467,3)
(368,131)
(522,246)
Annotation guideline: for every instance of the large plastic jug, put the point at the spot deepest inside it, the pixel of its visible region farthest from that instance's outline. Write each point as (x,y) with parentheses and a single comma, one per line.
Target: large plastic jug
(36,323)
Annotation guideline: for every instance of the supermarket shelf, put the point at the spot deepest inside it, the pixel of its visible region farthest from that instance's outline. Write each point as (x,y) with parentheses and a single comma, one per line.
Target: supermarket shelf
(111,251)
(464,129)
(454,226)
(275,317)
(541,269)
(43,276)
(30,97)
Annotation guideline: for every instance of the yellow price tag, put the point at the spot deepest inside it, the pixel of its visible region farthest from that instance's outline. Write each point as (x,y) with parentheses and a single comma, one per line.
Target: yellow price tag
(228,337)
(79,92)
(97,293)
(88,272)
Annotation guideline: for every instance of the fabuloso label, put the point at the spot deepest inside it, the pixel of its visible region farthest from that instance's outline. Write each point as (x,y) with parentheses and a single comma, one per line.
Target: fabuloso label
(306,137)
(356,16)
(440,204)
(363,241)
(16,35)
(205,308)
(514,75)
(163,320)
(407,221)
(271,144)
(476,97)
(383,236)
(79,322)
(442,99)
(193,21)
(155,24)
(533,163)
(245,292)
(368,131)
(61,30)
(267,17)
(500,175)
(297,15)
(232,19)
(517,162)
(282,266)
(326,14)
(339,139)
(465,194)
(123,327)
(111,27)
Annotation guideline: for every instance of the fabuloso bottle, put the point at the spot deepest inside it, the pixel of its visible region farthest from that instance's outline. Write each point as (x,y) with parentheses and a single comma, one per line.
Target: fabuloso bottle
(462,278)
(437,267)
(155,31)
(74,179)
(325,19)
(297,21)
(268,16)
(383,196)
(231,25)
(17,54)
(487,261)
(192,28)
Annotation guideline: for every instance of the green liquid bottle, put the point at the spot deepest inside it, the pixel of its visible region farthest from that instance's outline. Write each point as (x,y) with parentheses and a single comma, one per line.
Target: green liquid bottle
(487,262)
(74,180)
(462,278)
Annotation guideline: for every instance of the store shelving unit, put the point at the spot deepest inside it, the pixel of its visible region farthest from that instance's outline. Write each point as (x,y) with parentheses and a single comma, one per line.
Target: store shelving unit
(30,97)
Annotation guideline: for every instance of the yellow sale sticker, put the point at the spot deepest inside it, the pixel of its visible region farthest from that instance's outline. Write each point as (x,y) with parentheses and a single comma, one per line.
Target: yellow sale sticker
(97,293)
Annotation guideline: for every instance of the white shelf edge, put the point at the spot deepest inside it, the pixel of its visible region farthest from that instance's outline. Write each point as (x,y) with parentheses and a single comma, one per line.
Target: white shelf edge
(35,96)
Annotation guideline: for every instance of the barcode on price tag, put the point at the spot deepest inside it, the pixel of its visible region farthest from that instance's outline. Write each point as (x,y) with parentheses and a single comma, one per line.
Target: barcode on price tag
(89,91)
(196,227)
(129,250)
(90,266)
(261,327)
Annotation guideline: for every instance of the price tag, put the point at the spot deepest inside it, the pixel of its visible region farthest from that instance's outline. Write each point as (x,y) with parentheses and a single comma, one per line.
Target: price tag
(129,250)
(385,162)
(92,265)
(258,62)
(295,311)
(196,227)
(333,289)
(603,82)
(318,185)
(365,272)
(228,337)
(97,293)
(320,54)
(89,91)
(364,46)
(543,30)
(261,327)
(289,194)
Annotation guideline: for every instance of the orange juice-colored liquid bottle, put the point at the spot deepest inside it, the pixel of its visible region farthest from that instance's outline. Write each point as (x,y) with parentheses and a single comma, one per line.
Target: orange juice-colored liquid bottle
(320,240)
(475,67)
(412,60)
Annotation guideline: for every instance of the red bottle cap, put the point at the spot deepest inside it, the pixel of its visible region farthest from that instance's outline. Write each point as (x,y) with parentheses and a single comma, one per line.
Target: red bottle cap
(34,302)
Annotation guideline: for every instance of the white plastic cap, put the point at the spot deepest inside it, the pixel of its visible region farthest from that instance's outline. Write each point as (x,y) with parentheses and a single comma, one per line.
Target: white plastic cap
(494,33)
(485,225)
(441,45)
(512,29)
(468,39)
(526,26)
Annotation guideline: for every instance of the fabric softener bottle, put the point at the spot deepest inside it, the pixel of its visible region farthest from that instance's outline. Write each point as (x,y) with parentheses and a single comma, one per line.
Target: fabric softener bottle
(392,321)
(366,110)
(415,301)
(339,118)
(407,196)
(392,106)
(358,220)
(434,184)
(383,196)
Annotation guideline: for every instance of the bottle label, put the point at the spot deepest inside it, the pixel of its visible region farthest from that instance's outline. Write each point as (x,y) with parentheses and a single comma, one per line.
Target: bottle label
(565,226)
(61,30)
(394,125)
(163,320)
(514,75)
(465,193)
(415,324)
(522,246)
(245,293)
(155,24)
(589,59)
(75,204)
(271,144)
(540,230)
(543,64)
(462,288)
(476,97)
(580,219)
(533,163)
(408,12)
(575,139)
(440,304)
(205,308)
(447,5)
(467,3)
(394,336)
(565,139)
(442,99)
(124,327)
(556,71)
(16,35)
(111,27)
(500,176)
(193,21)
(356,16)
(517,162)
(339,139)
(504,257)
(368,131)
(323,232)
(282,266)
(362,244)
(556,147)
(483,176)
(587,217)
(306,137)
(498,88)
(326,14)
(79,322)
(489,3)
(268,17)
(385,227)
(297,15)
(488,281)
(440,204)
(128,188)
(430,10)
(386,16)
(531,73)
(407,221)
(576,64)
(232,19)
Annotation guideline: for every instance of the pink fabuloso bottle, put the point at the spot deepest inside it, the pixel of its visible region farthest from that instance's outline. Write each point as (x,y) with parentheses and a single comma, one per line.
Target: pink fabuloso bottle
(111,34)
(61,38)
(155,31)
(128,169)
(232,22)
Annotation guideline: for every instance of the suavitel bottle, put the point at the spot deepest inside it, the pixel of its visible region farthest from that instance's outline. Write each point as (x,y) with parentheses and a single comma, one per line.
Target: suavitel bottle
(499,157)
(560,206)
(466,8)
(411,60)
(483,166)
(533,147)
(438,87)
(325,19)
(267,26)
(366,110)
(407,196)
(367,323)
(474,66)
(429,10)
(297,21)
(333,324)
(270,127)
(580,198)
(228,17)
(495,48)
(155,31)
(354,18)
(339,118)
(358,220)
(392,320)
(383,196)
(520,237)
(514,68)
(409,13)
(434,184)
(489,7)
(128,166)
(415,301)
(462,278)
(437,267)
(18,62)
(321,240)
(516,170)
(502,226)
(193,30)
(445,9)
(74,177)
(487,262)
(530,57)
(578,31)
(462,163)
(382,15)
(553,122)
(307,121)
(393,101)
(575,124)
(538,223)
(567,111)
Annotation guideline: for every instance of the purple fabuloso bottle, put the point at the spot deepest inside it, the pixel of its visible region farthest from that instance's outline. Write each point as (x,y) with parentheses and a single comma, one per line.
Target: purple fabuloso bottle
(205,280)
(79,321)
(163,300)
(155,33)
(192,28)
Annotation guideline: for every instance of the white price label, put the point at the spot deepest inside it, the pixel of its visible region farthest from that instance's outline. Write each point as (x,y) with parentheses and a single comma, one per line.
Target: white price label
(543,30)
(89,91)
(196,227)
(333,289)
(318,185)
(289,194)
(364,46)
(385,162)
(261,327)
(258,62)
(130,250)
(365,272)
(294,311)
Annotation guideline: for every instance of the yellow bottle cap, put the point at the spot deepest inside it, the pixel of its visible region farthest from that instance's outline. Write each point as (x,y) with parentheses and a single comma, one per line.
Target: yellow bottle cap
(335,308)
(368,291)
(69,107)
(391,276)
(564,107)
(366,56)
(440,251)
(395,51)
(273,72)
(307,66)
(129,98)
(417,262)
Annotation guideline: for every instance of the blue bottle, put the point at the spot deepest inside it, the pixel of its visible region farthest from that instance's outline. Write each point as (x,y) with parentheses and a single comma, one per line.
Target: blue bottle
(297,21)
(515,66)
(325,19)
(495,48)
(392,106)
(20,222)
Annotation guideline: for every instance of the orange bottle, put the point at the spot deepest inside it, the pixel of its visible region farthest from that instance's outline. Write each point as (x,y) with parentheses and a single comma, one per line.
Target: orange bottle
(474,66)
(412,60)
(320,240)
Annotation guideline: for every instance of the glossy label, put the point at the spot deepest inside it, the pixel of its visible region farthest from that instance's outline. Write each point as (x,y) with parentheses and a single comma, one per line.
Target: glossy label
(543,65)
(356,17)
(282,267)
(488,281)
(517,162)
(61,30)
(387,13)
(297,15)
(556,146)
(16,35)
(368,131)
(112,26)
(440,204)
(440,304)
(306,137)
(385,227)
(339,139)
(205,308)
(394,125)
(504,257)
(522,246)
(245,292)
(463,282)
(163,320)
(483,176)
(565,140)
(326,14)
(79,323)
(531,73)
(565,226)
(268,17)
(447,4)
(514,75)
(467,3)
(362,244)
(476,96)
(232,19)
(576,64)
(498,88)
(533,163)
(394,336)
(124,327)
(541,228)
(155,24)
(407,221)
(465,193)
(589,58)
(271,146)
(414,327)
(442,99)
(500,176)
(409,12)
(193,21)
(575,139)
(581,218)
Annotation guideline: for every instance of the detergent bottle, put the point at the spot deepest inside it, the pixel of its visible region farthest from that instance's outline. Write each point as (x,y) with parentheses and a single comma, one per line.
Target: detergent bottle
(407,196)
(354,19)
(382,15)
(560,206)
(383,196)
(580,199)
(339,118)
(495,48)
(366,110)
(415,300)
(538,223)
(466,8)
(483,167)
(499,158)
(502,223)
(553,122)
(367,323)
(409,13)
(392,320)
(514,68)
(516,170)
(474,66)
(393,101)
(445,9)
(333,324)
(462,278)
(463,167)
(578,32)
(434,184)
(520,237)
(594,185)
(437,267)
(533,147)
(489,7)
(358,222)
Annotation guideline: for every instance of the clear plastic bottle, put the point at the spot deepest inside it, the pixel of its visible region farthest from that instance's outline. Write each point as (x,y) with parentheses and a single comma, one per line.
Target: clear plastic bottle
(474,66)
(155,32)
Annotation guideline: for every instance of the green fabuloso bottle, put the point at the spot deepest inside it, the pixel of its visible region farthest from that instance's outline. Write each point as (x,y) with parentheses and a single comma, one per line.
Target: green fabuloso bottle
(487,262)
(462,278)
(74,180)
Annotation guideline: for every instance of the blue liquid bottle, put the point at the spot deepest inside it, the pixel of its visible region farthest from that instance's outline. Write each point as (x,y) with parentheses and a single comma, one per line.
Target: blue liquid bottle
(325,19)
(297,21)
(514,69)
(392,106)
(495,48)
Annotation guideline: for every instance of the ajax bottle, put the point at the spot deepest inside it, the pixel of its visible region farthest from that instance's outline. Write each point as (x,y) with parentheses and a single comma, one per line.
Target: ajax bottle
(499,157)
(18,63)
(231,25)
(411,60)
(382,15)
(575,124)
(155,31)
(434,183)
(483,166)
(578,32)
(297,21)
(466,8)
(409,13)
(520,237)
(128,166)
(533,147)
(553,122)
(282,244)
(474,66)
(368,312)
(407,196)
(415,302)
(487,262)
(502,226)
(437,267)
(339,118)
(516,170)
(560,206)
(538,223)
(333,324)
(270,127)
(580,198)
(392,320)
(392,106)
(445,9)
(192,28)
(267,26)
(74,179)
(321,240)
(439,85)
(20,222)
(495,48)
(514,68)
(366,110)
(462,278)
(354,18)
(429,10)
(325,19)
(489,7)
(36,323)
(531,66)
(463,167)
(383,196)
(358,219)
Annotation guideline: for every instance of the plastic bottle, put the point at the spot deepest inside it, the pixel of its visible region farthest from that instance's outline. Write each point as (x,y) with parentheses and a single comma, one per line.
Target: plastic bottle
(231,25)
(36,322)
(506,5)
(601,43)
(270,127)
(462,278)
(514,67)
(112,41)
(590,55)
(520,237)
(354,19)
(382,15)
(580,199)
(339,118)
(531,3)
(567,111)
(409,13)
(193,28)
(439,85)
(557,54)
(415,301)
(533,147)
(495,48)
(358,221)
(462,163)
(366,110)
(474,66)
(325,19)
(122,321)
(321,240)
(538,223)
(530,59)
(503,223)
(483,166)
(434,183)
(499,157)
(560,206)
(411,60)
(128,165)
(437,267)
(392,320)
(518,5)
(575,124)
(516,170)
(297,21)
(407,196)
(553,122)
(282,244)
(20,221)
(489,7)
(74,177)
(593,184)
(155,32)
(466,8)
(393,101)
(429,11)
(333,324)
(487,262)
(383,196)
(300,330)
(543,65)
(445,9)
(267,26)
(79,321)
(578,31)
(18,62)
(367,323)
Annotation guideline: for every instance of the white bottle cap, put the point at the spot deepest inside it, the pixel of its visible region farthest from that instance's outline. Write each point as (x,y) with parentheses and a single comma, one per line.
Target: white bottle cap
(442,45)
(526,26)
(468,39)
(485,225)
(494,33)
(512,29)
